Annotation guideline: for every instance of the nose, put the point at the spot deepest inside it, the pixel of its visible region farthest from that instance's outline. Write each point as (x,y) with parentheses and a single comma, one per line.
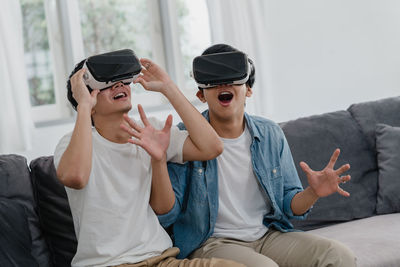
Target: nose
(118,84)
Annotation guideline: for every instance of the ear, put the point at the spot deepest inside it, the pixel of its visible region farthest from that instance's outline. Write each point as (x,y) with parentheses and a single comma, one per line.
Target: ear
(249,91)
(200,95)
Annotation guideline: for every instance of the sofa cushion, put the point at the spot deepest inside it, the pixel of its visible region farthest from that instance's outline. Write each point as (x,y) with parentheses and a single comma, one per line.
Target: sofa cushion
(15,184)
(368,114)
(54,212)
(388,149)
(15,238)
(313,140)
(374,240)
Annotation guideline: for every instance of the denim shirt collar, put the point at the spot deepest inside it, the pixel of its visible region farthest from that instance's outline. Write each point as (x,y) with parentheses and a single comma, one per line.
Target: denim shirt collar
(254,132)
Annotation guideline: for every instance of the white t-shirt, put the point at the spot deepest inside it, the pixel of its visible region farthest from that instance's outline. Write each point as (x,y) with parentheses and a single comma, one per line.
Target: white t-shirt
(113,220)
(242,202)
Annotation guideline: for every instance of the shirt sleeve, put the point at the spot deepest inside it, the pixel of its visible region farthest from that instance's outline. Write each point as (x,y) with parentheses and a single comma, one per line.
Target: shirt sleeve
(176,142)
(60,148)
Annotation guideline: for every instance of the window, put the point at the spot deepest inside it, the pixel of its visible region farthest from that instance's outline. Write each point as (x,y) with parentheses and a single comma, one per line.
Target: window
(58,34)
(194,37)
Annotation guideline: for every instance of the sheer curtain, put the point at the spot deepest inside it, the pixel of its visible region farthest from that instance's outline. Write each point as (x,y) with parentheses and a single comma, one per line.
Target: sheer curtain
(15,120)
(242,24)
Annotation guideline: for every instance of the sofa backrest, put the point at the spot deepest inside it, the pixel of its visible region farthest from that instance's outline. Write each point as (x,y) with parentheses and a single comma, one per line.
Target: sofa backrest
(313,140)
(54,211)
(16,187)
(369,114)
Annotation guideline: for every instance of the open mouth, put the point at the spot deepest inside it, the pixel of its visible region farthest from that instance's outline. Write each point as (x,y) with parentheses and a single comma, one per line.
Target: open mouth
(225,97)
(120,95)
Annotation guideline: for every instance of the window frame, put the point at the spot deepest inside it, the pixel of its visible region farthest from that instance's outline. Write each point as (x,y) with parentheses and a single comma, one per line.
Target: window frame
(66,49)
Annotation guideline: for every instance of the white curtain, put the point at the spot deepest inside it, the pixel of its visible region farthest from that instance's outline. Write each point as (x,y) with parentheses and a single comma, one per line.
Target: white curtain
(242,24)
(15,121)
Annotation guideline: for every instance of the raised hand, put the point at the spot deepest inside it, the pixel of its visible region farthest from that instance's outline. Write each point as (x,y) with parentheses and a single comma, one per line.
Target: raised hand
(154,141)
(153,77)
(80,92)
(327,181)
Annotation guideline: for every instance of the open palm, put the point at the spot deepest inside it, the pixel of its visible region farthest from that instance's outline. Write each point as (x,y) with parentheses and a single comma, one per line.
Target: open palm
(154,141)
(327,181)
(153,77)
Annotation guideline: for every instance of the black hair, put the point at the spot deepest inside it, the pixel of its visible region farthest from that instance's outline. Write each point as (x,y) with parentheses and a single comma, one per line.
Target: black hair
(219,48)
(69,90)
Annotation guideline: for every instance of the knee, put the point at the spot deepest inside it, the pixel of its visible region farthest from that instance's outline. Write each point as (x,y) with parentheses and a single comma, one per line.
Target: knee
(336,255)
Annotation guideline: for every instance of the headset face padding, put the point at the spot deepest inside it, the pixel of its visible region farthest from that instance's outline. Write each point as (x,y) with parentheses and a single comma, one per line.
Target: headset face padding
(221,68)
(105,70)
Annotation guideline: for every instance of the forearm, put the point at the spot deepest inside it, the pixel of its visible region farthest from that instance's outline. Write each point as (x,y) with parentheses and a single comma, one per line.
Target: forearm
(201,133)
(162,197)
(303,201)
(76,162)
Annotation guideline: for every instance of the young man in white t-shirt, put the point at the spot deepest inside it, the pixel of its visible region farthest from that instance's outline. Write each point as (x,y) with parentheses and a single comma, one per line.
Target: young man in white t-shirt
(111,171)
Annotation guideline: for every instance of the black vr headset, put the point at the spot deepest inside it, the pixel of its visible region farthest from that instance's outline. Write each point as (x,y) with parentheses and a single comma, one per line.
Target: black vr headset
(221,68)
(107,69)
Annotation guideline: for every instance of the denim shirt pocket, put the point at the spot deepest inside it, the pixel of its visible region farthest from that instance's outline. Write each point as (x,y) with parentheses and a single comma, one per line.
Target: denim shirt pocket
(276,181)
(198,190)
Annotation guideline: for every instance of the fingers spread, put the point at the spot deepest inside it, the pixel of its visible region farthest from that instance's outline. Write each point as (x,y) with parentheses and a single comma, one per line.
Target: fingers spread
(334,158)
(305,167)
(130,131)
(342,192)
(143,115)
(343,169)
(136,142)
(344,179)
(147,63)
(131,123)
(168,124)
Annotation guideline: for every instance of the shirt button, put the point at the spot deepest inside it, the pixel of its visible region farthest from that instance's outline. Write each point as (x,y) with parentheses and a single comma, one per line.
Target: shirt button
(200,171)
(274,171)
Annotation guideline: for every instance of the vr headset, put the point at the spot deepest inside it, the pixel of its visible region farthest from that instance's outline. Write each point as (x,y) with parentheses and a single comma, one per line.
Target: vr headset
(105,70)
(221,68)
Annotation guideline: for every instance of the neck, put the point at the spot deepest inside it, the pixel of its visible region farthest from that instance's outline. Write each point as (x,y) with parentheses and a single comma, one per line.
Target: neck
(109,128)
(231,127)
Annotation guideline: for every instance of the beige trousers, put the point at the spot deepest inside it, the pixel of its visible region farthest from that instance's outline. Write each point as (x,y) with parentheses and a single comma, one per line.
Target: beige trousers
(280,249)
(167,259)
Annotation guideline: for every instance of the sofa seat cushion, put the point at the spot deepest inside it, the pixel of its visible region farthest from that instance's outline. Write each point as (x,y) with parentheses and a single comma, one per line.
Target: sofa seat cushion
(15,184)
(374,240)
(54,211)
(313,140)
(15,238)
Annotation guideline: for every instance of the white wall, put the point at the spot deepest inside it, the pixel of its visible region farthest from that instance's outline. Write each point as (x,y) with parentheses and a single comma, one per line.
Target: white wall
(325,55)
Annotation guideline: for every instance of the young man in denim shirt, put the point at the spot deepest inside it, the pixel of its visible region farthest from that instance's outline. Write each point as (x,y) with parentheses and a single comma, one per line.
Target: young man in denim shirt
(238,206)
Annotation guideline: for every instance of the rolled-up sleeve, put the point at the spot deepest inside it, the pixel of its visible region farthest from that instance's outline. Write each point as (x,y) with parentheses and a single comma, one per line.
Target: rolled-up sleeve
(178,175)
(292,184)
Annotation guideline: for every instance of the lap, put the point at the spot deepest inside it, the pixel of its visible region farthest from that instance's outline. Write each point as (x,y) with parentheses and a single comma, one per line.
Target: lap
(235,250)
(304,249)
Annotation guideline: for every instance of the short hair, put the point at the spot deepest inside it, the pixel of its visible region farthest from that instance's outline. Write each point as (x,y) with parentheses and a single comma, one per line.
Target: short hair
(220,48)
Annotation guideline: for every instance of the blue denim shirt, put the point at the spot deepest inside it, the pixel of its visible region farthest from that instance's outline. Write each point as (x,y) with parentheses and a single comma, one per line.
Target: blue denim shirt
(195,184)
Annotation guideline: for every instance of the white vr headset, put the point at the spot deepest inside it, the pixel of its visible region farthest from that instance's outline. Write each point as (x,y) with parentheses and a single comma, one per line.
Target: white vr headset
(107,69)
(221,68)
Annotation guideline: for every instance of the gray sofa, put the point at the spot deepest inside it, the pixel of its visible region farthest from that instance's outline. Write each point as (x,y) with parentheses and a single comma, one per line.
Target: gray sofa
(36,227)
(368,135)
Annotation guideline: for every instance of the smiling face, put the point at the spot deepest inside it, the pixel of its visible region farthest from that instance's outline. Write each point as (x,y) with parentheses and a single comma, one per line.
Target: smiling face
(226,102)
(116,99)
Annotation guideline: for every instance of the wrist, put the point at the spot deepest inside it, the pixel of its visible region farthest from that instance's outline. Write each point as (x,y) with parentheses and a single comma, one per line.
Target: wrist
(162,160)
(84,108)
(170,89)
(311,192)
